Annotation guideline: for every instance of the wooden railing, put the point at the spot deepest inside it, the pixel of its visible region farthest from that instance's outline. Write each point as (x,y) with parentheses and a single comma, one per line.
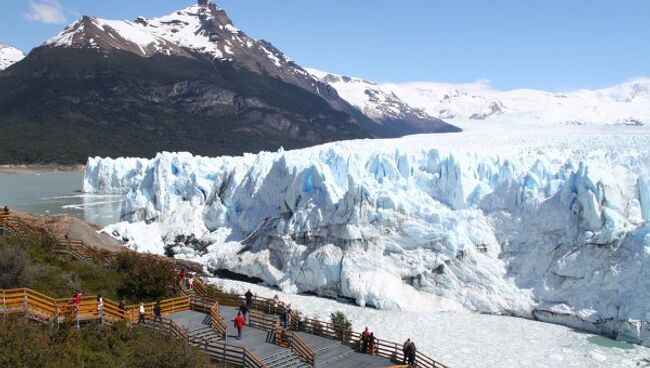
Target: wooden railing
(262,321)
(302,348)
(251,361)
(16,226)
(263,306)
(40,307)
(45,308)
(217,322)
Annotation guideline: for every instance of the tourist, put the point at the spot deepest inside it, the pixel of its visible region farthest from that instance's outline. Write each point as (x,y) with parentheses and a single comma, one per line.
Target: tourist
(371,343)
(249,298)
(243,309)
(276,302)
(141,312)
(286,316)
(405,348)
(6,210)
(411,353)
(157,312)
(191,282)
(100,303)
(122,305)
(76,300)
(301,321)
(181,275)
(239,324)
(100,308)
(364,340)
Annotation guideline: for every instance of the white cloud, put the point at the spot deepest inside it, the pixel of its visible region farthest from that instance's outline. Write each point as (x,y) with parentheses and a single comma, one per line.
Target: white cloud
(45,11)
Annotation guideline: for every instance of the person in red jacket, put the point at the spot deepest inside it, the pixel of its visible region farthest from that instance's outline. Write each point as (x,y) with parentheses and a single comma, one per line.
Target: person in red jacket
(365,336)
(239,324)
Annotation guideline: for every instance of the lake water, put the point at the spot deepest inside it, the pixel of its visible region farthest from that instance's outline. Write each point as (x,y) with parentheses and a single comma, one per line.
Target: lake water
(57,192)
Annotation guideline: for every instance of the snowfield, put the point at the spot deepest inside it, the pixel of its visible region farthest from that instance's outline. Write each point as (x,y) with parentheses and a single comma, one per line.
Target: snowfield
(551,224)
(625,104)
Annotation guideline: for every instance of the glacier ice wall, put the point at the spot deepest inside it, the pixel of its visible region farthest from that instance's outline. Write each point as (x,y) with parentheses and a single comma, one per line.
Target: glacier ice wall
(556,229)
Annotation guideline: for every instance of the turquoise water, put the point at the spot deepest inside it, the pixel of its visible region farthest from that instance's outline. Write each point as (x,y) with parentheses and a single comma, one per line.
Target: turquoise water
(57,192)
(609,343)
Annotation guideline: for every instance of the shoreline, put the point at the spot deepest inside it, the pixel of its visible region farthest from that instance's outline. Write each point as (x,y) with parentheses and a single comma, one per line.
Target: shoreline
(27,168)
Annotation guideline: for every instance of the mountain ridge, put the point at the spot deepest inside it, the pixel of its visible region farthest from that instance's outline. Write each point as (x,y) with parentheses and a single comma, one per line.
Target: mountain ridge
(188,80)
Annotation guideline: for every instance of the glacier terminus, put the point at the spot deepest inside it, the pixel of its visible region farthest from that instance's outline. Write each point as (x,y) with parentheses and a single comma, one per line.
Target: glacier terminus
(551,226)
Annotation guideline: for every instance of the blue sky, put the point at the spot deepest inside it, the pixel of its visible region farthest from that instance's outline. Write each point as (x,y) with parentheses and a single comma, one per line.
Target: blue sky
(550,44)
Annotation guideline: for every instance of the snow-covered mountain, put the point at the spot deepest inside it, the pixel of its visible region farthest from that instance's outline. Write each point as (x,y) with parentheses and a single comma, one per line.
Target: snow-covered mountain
(189,80)
(624,104)
(551,226)
(203,28)
(9,55)
(380,104)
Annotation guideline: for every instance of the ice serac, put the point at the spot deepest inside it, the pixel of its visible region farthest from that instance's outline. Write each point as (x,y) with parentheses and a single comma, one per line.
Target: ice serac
(553,228)
(9,56)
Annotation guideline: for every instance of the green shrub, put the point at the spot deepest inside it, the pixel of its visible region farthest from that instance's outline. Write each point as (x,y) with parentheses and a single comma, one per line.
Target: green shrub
(28,344)
(17,267)
(144,278)
(342,326)
(38,263)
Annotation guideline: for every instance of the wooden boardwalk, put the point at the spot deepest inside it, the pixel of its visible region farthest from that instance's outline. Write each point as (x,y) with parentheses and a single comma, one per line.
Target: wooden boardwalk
(329,353)
(333,354)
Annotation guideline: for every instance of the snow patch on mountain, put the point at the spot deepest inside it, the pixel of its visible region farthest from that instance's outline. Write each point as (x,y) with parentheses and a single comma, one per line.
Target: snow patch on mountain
(553,227)
(374,101)
(624,104)
(199,30)
(9,55)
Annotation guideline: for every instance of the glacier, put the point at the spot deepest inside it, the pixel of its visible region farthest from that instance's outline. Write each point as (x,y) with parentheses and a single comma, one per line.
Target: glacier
(552,226)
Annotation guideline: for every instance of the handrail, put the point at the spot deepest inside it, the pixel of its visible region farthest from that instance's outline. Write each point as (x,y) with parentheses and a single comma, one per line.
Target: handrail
(252,361)
(302,348)
(43,308)
(217,322)
(262,321)
(384,348)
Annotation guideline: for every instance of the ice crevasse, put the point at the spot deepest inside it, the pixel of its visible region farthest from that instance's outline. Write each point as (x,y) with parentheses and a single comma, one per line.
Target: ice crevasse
(556,231)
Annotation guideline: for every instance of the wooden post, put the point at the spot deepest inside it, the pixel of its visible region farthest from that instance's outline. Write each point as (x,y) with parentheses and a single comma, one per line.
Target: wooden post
(4,307)
(56,314)
(26,303)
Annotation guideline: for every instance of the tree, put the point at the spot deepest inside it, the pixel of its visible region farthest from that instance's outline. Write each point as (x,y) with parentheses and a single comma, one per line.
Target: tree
(342,326)
(144,278)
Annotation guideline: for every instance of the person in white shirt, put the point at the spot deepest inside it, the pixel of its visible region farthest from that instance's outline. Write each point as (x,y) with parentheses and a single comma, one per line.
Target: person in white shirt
(141,313)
